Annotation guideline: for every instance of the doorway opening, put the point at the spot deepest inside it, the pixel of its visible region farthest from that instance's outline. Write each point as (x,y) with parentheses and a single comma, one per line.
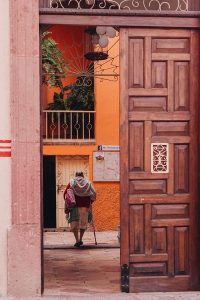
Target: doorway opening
(158,139)
(81,133)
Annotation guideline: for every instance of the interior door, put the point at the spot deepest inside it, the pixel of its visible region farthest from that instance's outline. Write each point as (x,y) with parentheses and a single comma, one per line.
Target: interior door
(66,167)
(158,134)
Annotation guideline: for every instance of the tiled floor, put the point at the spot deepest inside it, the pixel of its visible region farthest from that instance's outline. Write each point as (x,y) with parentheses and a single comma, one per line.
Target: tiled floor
(81,271)
(86,270)
(53,240)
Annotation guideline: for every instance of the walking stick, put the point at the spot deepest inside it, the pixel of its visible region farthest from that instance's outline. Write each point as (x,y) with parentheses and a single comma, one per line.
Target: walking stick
(94,233)
(93,227)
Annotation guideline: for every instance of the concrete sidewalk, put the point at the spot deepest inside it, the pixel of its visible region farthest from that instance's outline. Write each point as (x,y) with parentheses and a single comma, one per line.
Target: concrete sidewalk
(116,296)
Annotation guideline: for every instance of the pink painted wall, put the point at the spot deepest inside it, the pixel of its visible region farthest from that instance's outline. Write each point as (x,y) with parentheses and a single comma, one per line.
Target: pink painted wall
(24,235)
(5,134)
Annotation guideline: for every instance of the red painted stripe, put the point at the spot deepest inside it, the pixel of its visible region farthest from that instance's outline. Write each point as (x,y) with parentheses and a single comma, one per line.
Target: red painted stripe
(5,154)
(5,151)
(5,147)
(5,141)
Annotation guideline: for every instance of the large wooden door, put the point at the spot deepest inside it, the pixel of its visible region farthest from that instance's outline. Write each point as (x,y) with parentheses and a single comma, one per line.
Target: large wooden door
(158,129)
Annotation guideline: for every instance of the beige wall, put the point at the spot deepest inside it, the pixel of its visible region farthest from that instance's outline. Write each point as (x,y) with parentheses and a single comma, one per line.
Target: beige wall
(5,162)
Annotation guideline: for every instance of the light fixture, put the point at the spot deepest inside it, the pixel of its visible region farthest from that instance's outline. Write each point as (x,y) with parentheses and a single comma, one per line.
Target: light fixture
(100,29)
(97,42)
(93,50)
(103,41)
(110,32)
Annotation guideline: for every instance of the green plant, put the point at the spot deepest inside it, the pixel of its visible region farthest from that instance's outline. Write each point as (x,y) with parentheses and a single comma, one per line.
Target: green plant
(57,104)
(77,96)
(54,66)
(80,97)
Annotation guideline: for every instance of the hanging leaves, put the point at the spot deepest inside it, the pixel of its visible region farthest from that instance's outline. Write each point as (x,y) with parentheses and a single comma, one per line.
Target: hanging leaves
(54,66)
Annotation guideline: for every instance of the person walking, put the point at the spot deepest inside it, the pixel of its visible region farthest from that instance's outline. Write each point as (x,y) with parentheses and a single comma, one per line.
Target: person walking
(85,195)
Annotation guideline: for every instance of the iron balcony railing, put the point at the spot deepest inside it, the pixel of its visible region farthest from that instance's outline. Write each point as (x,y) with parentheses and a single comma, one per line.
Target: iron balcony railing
(68,126)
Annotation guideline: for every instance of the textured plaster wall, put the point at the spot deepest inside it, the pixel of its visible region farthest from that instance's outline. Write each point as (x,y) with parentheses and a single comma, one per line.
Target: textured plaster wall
(106,208)
(5,162)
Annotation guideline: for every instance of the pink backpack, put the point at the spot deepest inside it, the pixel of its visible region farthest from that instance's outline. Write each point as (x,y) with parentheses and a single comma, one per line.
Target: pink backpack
(69,197)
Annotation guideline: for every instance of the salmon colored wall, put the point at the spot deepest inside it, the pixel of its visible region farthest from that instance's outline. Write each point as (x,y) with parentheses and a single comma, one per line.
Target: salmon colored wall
(106,207)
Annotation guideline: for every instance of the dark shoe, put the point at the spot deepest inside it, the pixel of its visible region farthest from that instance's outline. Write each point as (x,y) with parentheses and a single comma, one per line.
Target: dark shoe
(77,245)
(80,243)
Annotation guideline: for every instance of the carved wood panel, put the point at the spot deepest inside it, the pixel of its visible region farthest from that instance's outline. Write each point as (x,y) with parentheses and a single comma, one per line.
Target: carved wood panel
(159,96)
(181,74)
(136,146)
(159,240)
(159,74)
(181,169)
(136,59)
(137,225)
(147,104)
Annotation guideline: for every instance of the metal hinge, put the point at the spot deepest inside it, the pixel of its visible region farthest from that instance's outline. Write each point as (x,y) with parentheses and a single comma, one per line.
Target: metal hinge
(125,279)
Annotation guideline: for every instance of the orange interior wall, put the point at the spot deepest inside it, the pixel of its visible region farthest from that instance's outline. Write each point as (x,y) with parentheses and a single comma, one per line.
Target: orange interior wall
(107,105)
(106,207)
(70,40)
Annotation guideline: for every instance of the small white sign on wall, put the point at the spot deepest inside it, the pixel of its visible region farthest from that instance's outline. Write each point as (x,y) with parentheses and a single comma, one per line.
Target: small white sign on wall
(106,166)
(108,147)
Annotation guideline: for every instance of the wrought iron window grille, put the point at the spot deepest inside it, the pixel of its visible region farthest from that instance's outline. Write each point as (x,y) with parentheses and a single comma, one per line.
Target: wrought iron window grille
(147,5)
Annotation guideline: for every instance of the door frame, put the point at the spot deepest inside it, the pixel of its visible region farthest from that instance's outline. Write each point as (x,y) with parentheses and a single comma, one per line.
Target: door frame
(121,21)
(27,142)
